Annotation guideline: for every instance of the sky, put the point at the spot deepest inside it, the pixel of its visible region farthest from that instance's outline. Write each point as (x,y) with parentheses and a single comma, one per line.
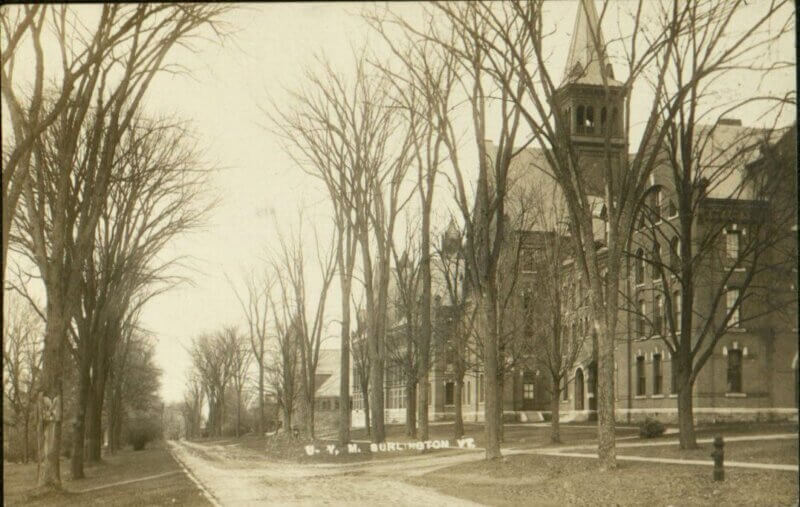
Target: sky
(223,95)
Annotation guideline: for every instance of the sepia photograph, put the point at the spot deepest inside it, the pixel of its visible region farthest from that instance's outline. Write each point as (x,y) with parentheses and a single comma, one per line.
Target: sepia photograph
(415,253)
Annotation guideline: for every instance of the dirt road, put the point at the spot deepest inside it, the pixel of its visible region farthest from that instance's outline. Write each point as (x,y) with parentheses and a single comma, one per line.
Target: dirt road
(235,479)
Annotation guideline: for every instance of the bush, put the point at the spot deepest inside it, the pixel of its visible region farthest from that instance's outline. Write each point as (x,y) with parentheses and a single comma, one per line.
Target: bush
(142,431)
(651,428)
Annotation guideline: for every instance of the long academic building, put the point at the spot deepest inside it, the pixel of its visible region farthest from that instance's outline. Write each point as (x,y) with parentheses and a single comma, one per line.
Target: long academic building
(747,310)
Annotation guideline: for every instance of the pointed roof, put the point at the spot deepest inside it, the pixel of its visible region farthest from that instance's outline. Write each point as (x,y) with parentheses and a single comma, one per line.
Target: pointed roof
(583,61)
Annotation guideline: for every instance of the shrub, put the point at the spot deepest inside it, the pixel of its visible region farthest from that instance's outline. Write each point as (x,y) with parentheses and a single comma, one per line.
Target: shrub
(651,428)
(140,432)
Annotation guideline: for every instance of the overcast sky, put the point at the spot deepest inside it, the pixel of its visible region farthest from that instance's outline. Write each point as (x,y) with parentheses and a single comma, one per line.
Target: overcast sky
(221,96)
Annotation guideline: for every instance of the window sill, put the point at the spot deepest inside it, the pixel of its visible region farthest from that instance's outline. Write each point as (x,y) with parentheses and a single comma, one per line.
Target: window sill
(739,270)
(736,395)
(657,396)
(640,397)
(673,395)
(737,330)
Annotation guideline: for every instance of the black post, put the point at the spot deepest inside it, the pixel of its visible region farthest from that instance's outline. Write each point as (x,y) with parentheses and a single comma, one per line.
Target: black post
(719,456)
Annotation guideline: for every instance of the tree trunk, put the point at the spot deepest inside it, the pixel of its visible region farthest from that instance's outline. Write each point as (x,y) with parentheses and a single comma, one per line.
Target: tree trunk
(50,403)
(426,326)
(411,412)
(238,411)
(490,408)
(365,396)
(344,358)
(261,422)
(26,434)
(286,421)
(500,407)
(79,423)
(555,406)
(458,426)
(606,424)
(94,419)
(687,437)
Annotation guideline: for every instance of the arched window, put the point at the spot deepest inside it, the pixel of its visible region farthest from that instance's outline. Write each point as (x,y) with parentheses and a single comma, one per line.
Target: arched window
(589,119)
(656,261)
(580,120)
(672,210)
(657,203)
(675,255)
(615,127)
(639,278)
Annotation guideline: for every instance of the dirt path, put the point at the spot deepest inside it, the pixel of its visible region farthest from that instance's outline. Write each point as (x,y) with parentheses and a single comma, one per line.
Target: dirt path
(232,480)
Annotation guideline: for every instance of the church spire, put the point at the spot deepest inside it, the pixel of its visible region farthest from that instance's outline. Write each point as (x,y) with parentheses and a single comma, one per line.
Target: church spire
(583,61)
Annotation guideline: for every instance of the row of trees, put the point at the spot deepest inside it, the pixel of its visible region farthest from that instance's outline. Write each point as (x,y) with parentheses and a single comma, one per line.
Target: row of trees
(93,189)
(471,70)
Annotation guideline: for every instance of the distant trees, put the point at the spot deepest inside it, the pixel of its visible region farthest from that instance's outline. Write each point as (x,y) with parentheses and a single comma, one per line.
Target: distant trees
(22,357)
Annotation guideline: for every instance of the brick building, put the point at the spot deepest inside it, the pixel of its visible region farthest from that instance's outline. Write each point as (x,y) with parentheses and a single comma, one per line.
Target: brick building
(751,372)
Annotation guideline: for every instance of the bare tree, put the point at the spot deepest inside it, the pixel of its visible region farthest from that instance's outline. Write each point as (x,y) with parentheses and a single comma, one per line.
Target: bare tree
(292,280)
(403,341)
(213,363)
(21,365)
(237,349)
(713,249)
(514,37)
(66,188)
(283,370)
(424,84)
(348,132)
(463,37)
(255,305)
(192,405)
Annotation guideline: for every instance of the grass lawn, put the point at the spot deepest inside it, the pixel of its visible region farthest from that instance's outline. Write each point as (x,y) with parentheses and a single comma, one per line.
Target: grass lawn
(282,448)
(19,482)
(756,451)
(552,480)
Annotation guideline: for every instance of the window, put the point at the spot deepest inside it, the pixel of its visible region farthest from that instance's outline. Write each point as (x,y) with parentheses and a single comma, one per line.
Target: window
(732,242)
(675,255)
(673,378)
(676,310)
(656,261)
(469,392)
(603,119)
(639,266)
(658,202)
(734,371)
(589,120)
(614,122)
(527,260)
(658,311)
(430,398)
(564,390)
(730,299)
(640,317)
(527,313)
(672,210)
(641,380)
(527,391)
(581,121)
(481,388)
(657,374)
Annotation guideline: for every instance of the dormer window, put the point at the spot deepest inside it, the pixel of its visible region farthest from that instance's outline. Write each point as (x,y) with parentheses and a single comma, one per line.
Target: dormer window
(580,119)
(589,119)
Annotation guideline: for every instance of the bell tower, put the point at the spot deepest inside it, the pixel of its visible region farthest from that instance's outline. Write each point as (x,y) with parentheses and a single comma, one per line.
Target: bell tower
(592,100)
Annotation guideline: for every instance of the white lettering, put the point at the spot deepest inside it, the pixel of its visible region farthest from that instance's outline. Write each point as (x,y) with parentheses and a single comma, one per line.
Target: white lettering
(331,449)
(353,448)
(310,450)
(436,444)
